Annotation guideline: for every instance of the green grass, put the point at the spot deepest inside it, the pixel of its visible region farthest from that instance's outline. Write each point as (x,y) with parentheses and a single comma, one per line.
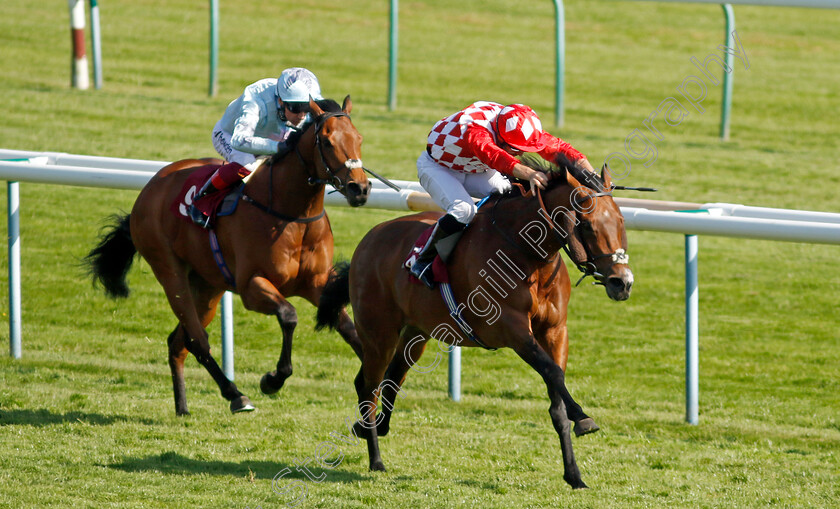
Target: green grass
(86,416)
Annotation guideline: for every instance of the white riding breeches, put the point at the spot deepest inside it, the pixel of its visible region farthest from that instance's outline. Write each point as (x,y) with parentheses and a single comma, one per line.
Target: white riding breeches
(453,191)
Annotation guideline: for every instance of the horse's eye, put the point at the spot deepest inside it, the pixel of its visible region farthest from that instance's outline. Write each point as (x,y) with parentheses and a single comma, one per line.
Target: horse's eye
(586,227)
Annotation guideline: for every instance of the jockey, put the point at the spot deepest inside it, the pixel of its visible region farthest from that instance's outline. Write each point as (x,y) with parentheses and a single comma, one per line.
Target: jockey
(471,154)
(259,122)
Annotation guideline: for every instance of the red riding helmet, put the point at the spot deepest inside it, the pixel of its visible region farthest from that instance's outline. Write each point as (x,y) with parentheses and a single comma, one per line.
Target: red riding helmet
(520,127)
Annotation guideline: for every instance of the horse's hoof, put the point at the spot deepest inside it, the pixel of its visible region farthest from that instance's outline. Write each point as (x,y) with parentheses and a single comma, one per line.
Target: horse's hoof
(377,466)
(268,385)
(241,404)
(383,430)
(181,413)
(585,427)
(580,486)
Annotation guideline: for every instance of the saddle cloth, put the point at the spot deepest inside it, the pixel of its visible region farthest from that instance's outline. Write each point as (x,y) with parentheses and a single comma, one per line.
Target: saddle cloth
(439,272)
(210,204)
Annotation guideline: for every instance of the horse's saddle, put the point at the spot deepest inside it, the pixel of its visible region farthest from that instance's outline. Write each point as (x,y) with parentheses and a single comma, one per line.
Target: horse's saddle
(218,204)
(439,271)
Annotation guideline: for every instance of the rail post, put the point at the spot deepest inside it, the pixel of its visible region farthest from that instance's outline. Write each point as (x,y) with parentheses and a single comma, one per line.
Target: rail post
(79,66)
(691,331)
(13,199)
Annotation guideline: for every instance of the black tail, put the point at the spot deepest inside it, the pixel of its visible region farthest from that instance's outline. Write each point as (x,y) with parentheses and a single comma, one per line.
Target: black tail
(335,297)
(108,263)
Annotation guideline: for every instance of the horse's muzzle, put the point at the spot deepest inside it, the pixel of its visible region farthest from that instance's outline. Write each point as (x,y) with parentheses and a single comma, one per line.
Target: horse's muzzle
(356,193)
(618,286)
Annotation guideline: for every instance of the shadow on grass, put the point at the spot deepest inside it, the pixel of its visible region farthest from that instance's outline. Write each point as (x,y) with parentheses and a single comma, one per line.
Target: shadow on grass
(174,463)
(44,417)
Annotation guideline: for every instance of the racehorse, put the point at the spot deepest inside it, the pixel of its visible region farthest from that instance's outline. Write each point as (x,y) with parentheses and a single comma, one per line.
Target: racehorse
(276,244)
(511,281)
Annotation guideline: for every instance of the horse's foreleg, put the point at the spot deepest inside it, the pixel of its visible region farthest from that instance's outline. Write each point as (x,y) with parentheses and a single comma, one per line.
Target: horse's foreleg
(555,342)
(260,295)
(177,355)
(273,381)
(554,379)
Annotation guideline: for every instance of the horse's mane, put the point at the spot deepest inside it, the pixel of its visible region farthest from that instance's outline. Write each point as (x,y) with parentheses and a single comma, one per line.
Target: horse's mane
(328,105)
(556,172)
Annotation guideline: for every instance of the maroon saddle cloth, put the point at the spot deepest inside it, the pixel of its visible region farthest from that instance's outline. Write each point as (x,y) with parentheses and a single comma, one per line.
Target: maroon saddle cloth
(209,204)
(439,272)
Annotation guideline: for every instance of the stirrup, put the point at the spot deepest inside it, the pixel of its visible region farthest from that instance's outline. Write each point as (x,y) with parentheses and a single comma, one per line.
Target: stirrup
(422,270)
(198,217)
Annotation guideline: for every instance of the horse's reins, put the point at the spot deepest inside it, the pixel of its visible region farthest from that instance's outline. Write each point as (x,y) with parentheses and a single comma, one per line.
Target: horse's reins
(350,164)
(334,179)
(587,267)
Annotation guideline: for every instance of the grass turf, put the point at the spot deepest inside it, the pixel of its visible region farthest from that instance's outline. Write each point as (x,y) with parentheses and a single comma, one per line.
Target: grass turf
(86,416)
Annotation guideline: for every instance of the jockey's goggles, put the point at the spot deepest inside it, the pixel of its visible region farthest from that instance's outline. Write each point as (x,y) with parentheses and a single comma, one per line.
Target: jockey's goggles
(296,107)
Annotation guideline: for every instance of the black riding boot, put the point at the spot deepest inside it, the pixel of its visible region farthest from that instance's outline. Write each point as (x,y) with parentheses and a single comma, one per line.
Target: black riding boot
(441,242)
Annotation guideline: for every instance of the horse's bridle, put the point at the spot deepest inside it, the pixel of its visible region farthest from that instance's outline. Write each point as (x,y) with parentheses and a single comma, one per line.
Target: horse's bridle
(587,266)
(349,164)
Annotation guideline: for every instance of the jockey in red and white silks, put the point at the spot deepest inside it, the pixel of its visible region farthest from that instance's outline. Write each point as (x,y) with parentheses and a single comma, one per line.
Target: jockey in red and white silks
(469,147)
(470,154)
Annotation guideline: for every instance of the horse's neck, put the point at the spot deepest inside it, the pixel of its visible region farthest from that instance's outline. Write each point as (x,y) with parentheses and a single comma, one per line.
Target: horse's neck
(515,217)
(291,192)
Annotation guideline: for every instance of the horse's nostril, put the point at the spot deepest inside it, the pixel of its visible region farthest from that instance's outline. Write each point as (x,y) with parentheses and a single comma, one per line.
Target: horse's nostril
(618,283)
(354,188)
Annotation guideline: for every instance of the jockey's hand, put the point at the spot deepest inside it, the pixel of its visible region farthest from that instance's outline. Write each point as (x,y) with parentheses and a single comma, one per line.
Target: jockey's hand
(294,137)
(536,179)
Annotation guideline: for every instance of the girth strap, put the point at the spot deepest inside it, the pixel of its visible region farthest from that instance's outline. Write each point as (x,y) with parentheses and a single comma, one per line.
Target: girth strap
(452,305)
(219,259)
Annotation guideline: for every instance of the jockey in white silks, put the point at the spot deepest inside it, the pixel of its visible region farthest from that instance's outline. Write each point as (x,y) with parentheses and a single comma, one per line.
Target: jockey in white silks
(259,123)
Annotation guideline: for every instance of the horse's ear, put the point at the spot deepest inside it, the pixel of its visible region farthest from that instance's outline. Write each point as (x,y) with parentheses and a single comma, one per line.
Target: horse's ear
(348,105)
(314,108)
(571,180)
(606,176)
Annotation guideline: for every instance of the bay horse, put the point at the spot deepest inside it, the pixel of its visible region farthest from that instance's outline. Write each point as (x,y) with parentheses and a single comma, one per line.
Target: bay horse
(277,243)
(513,285)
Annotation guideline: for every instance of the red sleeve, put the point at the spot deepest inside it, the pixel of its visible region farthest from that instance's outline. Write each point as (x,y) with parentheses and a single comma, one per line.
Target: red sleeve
(557,146)
(482,145)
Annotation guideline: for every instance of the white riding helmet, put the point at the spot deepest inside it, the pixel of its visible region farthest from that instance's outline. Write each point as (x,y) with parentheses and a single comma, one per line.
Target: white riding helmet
(296,84)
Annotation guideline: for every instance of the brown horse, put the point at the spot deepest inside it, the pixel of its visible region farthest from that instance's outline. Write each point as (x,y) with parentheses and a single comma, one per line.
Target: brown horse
(278,243)
(513,285)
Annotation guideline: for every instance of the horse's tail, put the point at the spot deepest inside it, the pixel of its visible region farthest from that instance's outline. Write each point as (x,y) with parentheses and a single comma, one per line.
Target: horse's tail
(335,297)
(108,263)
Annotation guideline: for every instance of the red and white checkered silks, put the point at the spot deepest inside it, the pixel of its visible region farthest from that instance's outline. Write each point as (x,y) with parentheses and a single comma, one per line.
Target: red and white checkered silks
(446,140)
(520,128)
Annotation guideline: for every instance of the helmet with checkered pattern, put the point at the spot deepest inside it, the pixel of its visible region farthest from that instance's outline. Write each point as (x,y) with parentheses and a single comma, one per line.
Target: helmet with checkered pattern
(520,127)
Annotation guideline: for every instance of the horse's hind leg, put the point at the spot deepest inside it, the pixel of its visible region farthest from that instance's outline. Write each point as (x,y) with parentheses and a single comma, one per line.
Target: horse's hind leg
(206,302)
(409,350)
(273,381)
(194,308)
(348,331)
(177,355)
(376,359)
